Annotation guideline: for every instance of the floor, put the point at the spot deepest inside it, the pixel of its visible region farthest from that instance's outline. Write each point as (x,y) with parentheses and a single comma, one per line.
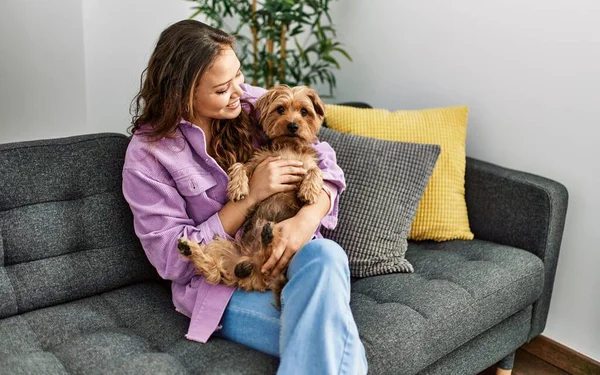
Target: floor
(527,364)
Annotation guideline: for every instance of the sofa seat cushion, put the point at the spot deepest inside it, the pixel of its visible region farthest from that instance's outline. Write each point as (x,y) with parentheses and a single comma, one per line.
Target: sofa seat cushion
(132,330)
(406,321)
(459,289)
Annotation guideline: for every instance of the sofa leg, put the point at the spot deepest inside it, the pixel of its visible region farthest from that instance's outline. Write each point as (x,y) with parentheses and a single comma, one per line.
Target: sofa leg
(505,366)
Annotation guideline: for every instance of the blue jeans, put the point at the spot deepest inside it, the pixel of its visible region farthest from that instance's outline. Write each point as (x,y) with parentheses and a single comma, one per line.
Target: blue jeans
(314,333)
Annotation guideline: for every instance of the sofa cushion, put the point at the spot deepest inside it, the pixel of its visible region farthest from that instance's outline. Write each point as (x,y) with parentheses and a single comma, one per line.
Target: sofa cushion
(65,230)
(489,347)
(385,181)
(459,289)
(131,330)
(406,321)
(442,213)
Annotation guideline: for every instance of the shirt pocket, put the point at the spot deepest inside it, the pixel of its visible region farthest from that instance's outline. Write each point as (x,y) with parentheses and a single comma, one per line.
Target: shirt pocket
(195,184)
(195,189)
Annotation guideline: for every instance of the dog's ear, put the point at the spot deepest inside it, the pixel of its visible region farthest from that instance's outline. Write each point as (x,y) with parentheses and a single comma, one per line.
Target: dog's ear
(262,103)
(317,102)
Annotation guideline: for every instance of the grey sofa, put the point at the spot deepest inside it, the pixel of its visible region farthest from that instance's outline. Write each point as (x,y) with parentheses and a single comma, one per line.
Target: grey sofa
(77,295)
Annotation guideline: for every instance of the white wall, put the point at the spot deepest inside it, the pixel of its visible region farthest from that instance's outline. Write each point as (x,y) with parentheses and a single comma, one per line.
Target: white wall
(73,66)
(530,73)
(42,78)
(119,38)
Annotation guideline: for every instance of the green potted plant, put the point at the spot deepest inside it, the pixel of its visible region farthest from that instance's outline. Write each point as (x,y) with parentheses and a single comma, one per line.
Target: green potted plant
(279,41)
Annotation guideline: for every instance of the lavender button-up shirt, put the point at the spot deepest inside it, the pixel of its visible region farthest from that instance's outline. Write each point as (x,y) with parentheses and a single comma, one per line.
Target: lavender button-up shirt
(175,189)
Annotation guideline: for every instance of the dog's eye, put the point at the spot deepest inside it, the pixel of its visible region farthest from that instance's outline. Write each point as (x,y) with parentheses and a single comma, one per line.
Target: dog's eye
(303,112)
(280,110)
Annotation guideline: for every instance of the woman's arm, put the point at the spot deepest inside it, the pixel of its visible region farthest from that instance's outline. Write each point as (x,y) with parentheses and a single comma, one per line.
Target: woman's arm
(233,215)
(272,175)
(295,232)
(160,219)
(160,216)
(333,180)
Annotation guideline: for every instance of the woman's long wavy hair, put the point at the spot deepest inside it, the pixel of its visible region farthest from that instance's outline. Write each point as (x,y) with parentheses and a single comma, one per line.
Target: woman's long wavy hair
(183,53)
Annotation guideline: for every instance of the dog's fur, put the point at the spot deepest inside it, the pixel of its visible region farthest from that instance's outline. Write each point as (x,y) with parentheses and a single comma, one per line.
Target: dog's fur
(291,118)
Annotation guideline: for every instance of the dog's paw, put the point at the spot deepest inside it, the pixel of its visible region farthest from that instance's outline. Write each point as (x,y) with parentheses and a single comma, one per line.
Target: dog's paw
(243,269)
(238,197)
(237,188)
(308,197)
(237,193)
(267,234)
(184,247)
(308,194)
(311,186)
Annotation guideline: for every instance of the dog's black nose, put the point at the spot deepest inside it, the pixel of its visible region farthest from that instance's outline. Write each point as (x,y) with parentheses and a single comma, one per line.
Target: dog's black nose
(293,127)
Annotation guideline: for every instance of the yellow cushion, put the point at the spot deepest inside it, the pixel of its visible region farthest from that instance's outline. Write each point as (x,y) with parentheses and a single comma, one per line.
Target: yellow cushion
(442,213)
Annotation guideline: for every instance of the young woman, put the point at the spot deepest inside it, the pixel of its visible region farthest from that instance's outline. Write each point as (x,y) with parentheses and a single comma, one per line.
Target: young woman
(193,119)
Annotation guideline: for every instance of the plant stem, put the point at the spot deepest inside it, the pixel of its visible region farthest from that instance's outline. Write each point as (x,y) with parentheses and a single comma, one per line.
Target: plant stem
(270,45)
(271,23)
(282,54)
(254,45)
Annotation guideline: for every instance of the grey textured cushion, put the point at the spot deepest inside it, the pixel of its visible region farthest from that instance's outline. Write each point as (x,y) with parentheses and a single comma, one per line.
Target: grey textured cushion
(489,347)
(131,330)
(459,289)
(385,181)
(65,230)
(408,322)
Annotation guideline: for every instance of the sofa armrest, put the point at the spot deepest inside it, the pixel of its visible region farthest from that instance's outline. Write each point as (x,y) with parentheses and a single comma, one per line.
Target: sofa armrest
(520,210)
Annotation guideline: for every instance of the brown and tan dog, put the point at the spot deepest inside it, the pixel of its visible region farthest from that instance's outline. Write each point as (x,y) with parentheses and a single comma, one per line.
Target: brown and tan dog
(291,118)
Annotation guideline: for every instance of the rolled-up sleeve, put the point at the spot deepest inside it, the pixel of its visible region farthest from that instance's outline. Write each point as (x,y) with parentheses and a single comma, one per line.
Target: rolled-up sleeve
(334,181)
(160,219)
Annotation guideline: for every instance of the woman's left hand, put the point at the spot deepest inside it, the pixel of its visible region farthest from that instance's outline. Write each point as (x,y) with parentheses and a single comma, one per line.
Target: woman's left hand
(294,232)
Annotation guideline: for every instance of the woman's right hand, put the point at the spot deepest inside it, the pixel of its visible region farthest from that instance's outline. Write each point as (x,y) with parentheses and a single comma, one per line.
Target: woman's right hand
(274,175)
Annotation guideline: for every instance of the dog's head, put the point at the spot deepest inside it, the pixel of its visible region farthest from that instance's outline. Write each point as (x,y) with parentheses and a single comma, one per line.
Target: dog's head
(291,112)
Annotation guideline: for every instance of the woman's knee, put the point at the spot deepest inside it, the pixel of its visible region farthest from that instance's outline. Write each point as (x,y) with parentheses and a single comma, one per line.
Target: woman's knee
(322,266)
(327,252)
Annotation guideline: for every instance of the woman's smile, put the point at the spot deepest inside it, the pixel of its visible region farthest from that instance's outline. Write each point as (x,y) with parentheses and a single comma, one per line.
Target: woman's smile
(234,105)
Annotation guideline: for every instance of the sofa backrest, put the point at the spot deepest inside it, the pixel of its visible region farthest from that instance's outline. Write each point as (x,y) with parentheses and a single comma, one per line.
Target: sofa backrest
(66,231)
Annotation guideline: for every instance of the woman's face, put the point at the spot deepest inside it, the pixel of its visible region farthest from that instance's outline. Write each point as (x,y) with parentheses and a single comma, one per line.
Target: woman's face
(217,96)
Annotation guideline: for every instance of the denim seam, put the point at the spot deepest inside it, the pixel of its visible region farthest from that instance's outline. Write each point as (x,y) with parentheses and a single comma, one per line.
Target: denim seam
(346,352)
(250,312)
